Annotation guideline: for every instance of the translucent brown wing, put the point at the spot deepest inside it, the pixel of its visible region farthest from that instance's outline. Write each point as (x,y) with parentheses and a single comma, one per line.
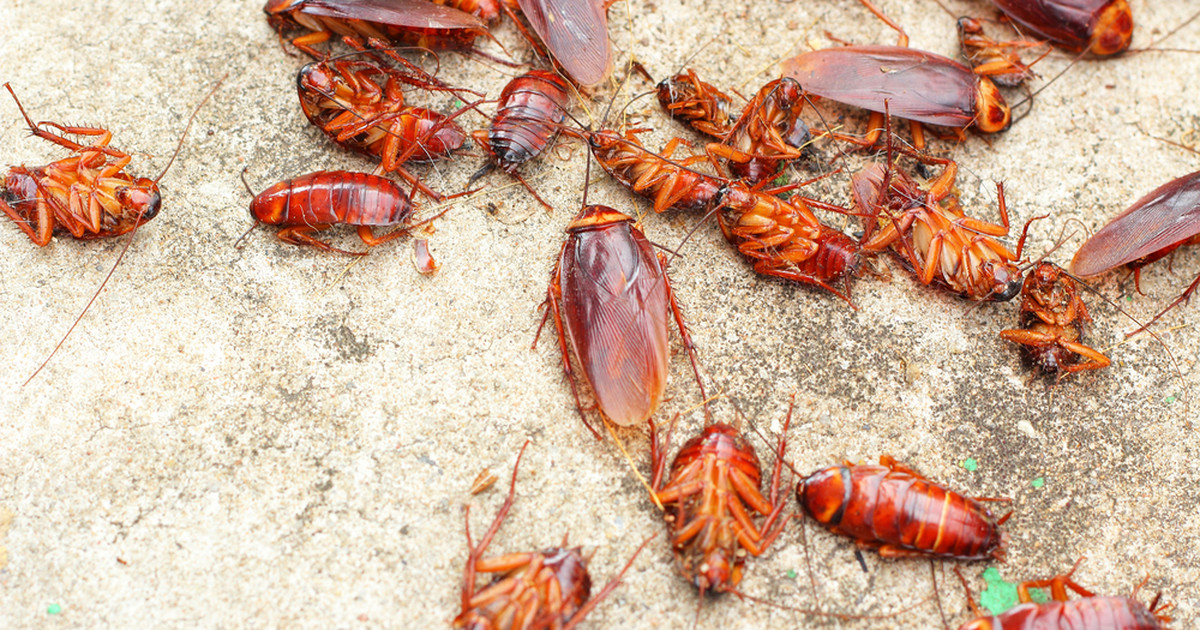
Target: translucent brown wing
(576,32)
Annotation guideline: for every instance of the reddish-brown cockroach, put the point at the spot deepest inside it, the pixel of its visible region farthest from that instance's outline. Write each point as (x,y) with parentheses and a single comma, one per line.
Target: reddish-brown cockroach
(610,296)
(317,201)
(1052,323)
(895,510)
(412,22)
(929,232)
(1101,27)
(768,133)
(548,590)
(88,195)
(785,239)
(698,104)
(713,488)
(915,85)
(576,34)
(657,176)
(1092,612)
(1154,226)
(998,60)
(361,107)
(529,115)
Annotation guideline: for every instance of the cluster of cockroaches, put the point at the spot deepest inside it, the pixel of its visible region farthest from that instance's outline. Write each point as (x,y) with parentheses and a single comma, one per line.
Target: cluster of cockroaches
(610,295)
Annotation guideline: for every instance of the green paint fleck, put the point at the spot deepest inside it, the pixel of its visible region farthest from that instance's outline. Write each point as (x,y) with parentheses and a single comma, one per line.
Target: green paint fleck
(457,104)
(791,574)
(970,464)
(53,609)
(1038,483)
(999,595)
(1128,298)
(1169,399)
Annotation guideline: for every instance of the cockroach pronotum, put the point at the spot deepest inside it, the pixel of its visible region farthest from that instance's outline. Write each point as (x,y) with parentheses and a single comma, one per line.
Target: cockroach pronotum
(88,195)
(698,104)
(1052,323)
(549,589)
(915,85)
(1101,27)
(768,133)
(1091,612)
(713,488)
(1154,226)
(895,510)
(411,22)
(929,232)
(316,201)
(610,297)
(576,33)
(529,115)
(361,107)
(998,60)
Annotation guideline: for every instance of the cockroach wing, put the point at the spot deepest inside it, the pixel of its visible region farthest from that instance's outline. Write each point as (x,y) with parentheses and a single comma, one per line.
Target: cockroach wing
(614,301)
(1064,22)
(576,32)
(1163,219)
(405,14)
(917,85)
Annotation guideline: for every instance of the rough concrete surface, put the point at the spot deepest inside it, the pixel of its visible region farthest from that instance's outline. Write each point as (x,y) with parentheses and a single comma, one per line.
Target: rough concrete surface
(274,437)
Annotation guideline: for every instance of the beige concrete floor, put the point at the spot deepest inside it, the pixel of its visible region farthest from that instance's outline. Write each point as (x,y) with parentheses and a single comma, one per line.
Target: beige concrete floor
(268,436)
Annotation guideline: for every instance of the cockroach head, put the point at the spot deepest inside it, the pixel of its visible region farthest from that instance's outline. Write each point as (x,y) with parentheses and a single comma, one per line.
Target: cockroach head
(716,573)
(1007,279)
(142,198)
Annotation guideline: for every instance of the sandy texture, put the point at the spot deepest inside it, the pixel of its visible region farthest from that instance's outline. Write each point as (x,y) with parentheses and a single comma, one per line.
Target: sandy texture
(272,437)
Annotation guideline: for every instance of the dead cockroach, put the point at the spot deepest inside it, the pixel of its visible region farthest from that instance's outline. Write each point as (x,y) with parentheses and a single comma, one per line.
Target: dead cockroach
(713,488)
(1052,322)
(784,238)
(317,201)
(1092,612)
(698,104)
(360,106)
(412,22)
(929,232)
(610,297)
(1154,226)
(671,184)
(998,60)
(915,85)
(768,133)
(895,510)
(88,195)
(1101,27)
(529,115)
(549,589)
(576,34)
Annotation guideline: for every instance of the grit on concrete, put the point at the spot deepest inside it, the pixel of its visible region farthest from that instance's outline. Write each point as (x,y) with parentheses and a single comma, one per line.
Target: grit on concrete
(274,437)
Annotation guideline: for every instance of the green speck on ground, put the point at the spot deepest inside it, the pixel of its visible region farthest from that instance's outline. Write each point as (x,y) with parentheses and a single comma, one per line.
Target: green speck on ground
(1038,483)
(970,464)
(791,574)
(999,595)
(1169,399)
(53,609)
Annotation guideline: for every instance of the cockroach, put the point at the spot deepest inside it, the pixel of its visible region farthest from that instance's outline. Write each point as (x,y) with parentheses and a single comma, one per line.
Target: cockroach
(998,60)
(1100,27)
(900,513)
(576,34)
(1092,612)
(915,85)
(1051,324)
(670,184)
(610,296)
(1154,226)
(784,238)
(317,201)
(929,232)
(412,22)
(529,115)
(360,106)
(700,105)
(709,496)
(767,134)
(88,195)
(550,589)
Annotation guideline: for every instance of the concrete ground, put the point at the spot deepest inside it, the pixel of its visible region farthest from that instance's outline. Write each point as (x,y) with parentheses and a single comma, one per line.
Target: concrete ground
(274,437)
